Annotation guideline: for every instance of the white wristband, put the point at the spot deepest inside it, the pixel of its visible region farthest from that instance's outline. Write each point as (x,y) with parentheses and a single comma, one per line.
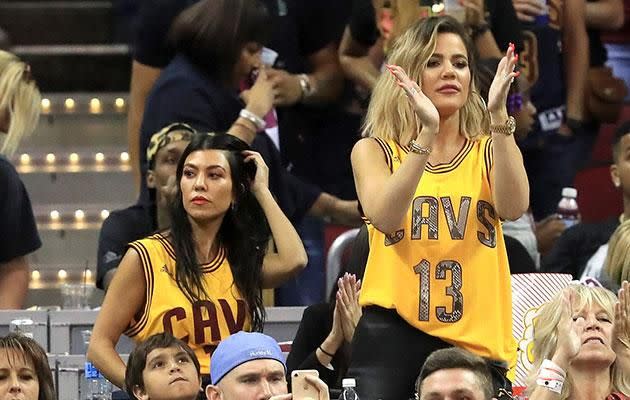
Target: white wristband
(253,118)
(553,385)
(551,376)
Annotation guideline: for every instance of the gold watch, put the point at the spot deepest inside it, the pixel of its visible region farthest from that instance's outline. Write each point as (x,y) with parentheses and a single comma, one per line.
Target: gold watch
(506,129)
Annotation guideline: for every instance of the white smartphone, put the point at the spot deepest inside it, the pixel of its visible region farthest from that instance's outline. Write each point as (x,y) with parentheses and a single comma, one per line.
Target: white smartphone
(300,388)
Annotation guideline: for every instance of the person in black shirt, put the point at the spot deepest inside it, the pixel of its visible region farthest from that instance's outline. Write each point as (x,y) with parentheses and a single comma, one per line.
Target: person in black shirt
(19,113)
(577,244)
(140,220)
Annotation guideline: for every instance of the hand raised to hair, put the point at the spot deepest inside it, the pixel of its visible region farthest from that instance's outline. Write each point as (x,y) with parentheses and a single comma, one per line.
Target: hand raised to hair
(621,326)
(261,179)
(500,87)
(569,332)
(423,107)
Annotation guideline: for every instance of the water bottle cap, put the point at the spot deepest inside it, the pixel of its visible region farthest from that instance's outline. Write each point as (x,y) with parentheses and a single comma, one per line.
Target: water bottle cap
(349,382)
(90,371)
(569,192)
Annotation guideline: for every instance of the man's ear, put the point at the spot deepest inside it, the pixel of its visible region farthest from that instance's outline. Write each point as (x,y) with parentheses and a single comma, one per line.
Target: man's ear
(150,179)
(213,392)
(614,175)
(140,393)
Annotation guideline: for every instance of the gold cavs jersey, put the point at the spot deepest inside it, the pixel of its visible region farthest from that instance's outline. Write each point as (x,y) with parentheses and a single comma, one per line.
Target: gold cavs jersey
(445,270)
(201,324)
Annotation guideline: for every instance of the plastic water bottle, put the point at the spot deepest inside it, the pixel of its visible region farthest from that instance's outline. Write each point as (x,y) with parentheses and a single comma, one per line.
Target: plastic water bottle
(568,208)
(98,387)
(349,389)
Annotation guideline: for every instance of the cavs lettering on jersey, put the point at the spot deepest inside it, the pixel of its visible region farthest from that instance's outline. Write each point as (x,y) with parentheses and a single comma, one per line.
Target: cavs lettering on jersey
(445,270)
(201,324)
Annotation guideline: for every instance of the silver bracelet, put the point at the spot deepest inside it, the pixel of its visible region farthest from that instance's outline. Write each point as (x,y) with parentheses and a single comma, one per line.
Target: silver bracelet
(414,147)
(258,122)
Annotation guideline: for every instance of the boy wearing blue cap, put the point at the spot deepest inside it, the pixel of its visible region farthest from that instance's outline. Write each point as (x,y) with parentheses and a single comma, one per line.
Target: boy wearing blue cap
(251,366)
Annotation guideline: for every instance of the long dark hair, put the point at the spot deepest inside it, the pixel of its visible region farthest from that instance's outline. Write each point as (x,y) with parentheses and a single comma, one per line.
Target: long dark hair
(212,33)
(244,231)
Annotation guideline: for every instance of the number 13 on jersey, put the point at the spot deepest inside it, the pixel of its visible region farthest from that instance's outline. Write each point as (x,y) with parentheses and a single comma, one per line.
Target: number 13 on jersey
(426,272)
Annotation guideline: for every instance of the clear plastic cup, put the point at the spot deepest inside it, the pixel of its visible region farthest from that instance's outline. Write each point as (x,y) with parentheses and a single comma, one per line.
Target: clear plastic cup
(23,326)
(76,296)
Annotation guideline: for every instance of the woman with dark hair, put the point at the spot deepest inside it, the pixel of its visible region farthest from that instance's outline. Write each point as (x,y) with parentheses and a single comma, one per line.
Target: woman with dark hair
(201,280)
(24,370)
(218,45)
(323,339)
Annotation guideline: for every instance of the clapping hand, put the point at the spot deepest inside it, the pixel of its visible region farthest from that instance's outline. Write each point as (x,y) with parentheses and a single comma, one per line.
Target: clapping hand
(348,304)
(569,332)
(621,327)
(500,87)
(423,107)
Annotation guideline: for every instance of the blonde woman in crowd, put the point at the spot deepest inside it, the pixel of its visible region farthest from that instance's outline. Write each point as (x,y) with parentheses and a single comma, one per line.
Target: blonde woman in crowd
(581,346)
(435,175)
(24,370)
(19,113)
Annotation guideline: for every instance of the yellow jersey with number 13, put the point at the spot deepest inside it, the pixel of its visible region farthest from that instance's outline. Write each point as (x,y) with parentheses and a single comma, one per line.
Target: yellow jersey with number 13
(445,270)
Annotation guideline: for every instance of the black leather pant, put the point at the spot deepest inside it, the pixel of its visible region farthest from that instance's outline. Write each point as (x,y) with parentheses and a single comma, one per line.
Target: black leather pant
(388,353)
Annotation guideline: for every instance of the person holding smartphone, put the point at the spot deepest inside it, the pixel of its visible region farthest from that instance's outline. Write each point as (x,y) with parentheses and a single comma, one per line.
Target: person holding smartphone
(251,366)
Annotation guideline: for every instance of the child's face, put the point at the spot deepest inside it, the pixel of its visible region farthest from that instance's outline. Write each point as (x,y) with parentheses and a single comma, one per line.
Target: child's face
(169,373)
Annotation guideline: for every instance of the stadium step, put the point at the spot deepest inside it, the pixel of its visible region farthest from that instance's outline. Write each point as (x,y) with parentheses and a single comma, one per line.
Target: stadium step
(56,22)
(78,68)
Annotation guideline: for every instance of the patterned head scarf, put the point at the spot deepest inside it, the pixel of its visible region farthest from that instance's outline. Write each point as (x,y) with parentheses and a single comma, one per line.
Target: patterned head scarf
(170,133)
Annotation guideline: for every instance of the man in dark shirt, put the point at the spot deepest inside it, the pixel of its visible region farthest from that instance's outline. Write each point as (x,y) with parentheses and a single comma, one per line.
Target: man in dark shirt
(577,244)
(19,237)
(140,220)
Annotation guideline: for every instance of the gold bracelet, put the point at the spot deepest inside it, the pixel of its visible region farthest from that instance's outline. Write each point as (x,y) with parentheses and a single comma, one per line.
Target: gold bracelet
(414,147)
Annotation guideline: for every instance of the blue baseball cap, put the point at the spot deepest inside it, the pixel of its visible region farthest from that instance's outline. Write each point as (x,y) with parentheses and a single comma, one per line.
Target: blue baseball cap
(240,348)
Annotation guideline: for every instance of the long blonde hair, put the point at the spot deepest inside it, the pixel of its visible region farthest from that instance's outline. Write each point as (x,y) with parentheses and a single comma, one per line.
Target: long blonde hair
(546,334)
(20,97)
(389,114)
(617,264)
